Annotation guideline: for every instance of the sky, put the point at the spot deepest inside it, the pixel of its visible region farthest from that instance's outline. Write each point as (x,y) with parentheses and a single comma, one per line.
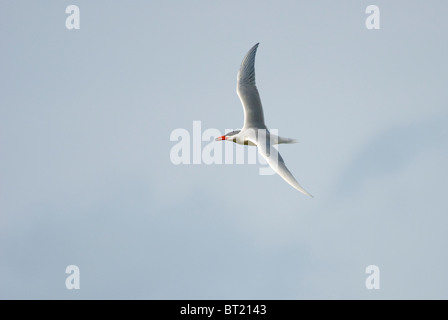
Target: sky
(86,176)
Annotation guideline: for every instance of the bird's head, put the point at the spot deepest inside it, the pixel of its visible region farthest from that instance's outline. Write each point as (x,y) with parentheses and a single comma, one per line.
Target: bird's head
(228,136)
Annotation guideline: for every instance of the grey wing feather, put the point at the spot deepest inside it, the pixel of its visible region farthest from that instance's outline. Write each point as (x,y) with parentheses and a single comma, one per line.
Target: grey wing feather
(275,160)
(248,92)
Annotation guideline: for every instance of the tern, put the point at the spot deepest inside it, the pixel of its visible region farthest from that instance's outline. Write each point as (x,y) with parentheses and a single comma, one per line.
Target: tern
(254,131)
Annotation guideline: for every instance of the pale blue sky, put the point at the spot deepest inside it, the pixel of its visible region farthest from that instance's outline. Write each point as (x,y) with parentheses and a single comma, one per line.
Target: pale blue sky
(86,176)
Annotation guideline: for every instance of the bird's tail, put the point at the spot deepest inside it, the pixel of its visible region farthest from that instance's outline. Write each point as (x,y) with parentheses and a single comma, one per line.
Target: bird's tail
(286,140)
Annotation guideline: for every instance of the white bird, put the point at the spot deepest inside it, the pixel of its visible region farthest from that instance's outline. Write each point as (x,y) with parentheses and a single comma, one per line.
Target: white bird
(254,131)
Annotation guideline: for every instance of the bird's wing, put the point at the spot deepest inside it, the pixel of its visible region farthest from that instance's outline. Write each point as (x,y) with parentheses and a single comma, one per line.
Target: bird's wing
(274,159)
(248,93)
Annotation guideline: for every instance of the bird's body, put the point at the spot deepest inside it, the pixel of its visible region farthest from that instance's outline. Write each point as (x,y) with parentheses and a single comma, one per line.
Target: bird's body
(254,131)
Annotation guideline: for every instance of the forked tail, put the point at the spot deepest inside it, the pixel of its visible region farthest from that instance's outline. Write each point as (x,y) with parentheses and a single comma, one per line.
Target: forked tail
(286,140)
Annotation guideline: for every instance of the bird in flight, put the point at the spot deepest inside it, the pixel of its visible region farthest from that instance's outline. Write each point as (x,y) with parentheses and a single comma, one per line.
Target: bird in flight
(254,131)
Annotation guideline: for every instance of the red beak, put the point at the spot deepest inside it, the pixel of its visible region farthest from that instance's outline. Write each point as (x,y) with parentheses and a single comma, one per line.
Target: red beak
(220,138)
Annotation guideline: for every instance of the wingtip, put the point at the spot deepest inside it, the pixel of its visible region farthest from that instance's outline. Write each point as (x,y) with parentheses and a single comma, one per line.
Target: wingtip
(307,193)
(303,191)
